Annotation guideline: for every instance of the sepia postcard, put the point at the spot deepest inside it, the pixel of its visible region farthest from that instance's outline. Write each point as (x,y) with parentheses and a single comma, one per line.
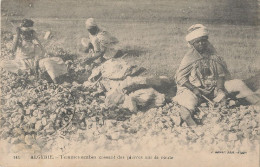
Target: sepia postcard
(148,83)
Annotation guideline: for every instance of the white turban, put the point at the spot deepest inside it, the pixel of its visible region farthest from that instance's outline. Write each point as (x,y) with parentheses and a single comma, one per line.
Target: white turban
(90,22)
(196,31)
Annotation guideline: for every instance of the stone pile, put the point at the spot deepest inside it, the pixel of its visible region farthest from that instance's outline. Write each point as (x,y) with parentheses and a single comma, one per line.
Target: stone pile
(37,116)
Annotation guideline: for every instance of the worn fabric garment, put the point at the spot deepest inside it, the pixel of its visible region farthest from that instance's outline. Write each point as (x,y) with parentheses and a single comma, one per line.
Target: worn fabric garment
(54,66)
(27,50)
(189,100)
(201,71)
(102,42)
(26,46)
(18,64)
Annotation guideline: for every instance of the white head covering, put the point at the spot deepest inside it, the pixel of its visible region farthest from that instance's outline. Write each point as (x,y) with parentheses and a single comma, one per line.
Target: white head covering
(196,31)
(90,22)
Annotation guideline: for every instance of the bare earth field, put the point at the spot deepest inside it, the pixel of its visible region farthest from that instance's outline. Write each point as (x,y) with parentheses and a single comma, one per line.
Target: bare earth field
(152,30)
(153,34)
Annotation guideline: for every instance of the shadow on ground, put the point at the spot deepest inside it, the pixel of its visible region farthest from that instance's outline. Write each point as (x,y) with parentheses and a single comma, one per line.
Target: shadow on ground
(134,51)
(253,82)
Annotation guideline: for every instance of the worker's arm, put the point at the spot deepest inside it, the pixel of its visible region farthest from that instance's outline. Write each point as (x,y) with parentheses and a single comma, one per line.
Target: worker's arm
(220,84)
(193,88)
(221,94)
(38,43)
(221,73)
(97,51)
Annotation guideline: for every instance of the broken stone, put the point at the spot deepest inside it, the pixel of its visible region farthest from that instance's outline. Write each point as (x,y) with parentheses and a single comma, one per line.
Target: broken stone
(203,105)
(40,115)
(36,148)
(33,120)
(110,123)
(114,98)
(15,140)
(44,121)
(5,134)
(50,130)
(253,124)
(129,103)
(232,136)
(110,84)
(18,147)
(17,132)
(232,103)
(35,113)
(29,140)
(115,69)
(21,137)
(115,135)
(147,97)
(223,136)
(38,125)
(47,35)
(53,117)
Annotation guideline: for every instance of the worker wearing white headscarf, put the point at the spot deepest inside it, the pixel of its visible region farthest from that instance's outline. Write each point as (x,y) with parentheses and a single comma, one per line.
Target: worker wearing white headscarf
(203,73)
(102,43)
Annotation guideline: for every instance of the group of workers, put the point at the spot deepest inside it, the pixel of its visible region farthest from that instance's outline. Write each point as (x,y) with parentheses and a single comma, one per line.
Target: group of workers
(202,74)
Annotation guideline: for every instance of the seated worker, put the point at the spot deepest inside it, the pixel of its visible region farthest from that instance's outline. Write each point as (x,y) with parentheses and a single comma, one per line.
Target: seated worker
(26,47)
(29,59)
(204,74)
(100,44)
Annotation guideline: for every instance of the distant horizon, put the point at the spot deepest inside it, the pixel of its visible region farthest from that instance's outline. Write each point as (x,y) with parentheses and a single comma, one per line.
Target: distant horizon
(236,12)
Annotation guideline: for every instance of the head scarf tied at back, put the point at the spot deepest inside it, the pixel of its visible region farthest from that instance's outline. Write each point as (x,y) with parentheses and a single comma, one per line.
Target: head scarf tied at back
(195,32)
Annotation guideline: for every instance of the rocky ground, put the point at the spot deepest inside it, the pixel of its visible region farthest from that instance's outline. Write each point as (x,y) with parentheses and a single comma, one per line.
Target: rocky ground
(40,117)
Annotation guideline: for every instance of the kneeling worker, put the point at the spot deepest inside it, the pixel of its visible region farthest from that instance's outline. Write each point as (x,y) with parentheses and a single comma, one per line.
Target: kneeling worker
(100,44)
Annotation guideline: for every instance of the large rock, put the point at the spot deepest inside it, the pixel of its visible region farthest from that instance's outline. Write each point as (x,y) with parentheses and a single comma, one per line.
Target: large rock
(144,99)
(110,84)
(253,82)
(162,84)
(114,98)
(114,69)
(54,66)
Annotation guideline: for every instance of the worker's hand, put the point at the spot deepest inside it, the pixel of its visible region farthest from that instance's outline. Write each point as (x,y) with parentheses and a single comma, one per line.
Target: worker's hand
(193,88)
(221,98)
(206,91)
(197,92)
(221,95)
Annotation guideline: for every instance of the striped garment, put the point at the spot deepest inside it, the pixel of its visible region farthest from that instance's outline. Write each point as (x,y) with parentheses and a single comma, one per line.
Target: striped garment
(201,71)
